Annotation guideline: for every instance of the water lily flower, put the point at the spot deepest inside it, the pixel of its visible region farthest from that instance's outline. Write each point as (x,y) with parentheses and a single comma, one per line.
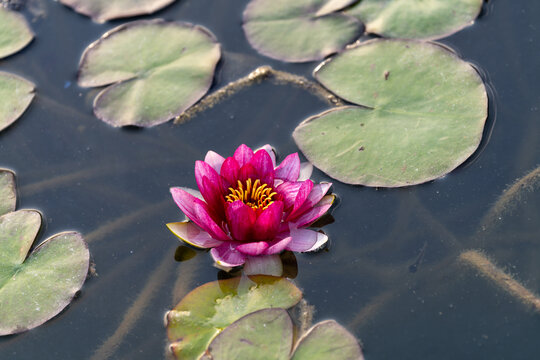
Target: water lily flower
(248,208)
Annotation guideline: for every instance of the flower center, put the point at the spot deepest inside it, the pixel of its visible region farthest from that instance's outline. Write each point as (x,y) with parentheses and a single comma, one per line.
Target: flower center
(254,194)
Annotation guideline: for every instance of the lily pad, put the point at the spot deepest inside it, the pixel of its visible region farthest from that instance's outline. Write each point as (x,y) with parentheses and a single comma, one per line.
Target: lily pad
(8,195)
(413,19)
(158,70)
(264,335)
(424,114)
(210,308)
(15,33)
(103,10)
(300,30)
(16,94)
(327,340)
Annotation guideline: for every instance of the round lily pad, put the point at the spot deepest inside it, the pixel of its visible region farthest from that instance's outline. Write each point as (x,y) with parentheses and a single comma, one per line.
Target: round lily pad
(8,195)
(300,30)
(158,70)
(264,335)
(423,114)
(34,289)
(16,94)
(327,340)
(413,19)
(210,308)
(103,10)
(15,33)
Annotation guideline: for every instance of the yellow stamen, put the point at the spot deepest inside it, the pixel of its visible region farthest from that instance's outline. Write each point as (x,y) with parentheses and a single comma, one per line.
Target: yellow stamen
(252,193)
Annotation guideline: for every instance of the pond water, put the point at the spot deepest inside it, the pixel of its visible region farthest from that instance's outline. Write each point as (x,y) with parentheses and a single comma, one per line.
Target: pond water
(113,186)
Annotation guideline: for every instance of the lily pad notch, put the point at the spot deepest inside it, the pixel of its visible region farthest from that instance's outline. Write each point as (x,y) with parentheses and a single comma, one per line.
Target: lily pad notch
(156,70)
(35,286)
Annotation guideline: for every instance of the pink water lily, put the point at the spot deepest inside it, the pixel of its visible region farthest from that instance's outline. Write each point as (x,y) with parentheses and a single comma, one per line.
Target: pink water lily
(248,208)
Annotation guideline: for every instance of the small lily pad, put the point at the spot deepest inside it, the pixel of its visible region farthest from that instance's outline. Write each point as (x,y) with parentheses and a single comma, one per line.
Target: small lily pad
(103,10)
(158,70)
(16,94)
(413,19)
(264,335)
(423,114)
(8,195)
(300,30)
(327,340)
(210,308)
(15,33)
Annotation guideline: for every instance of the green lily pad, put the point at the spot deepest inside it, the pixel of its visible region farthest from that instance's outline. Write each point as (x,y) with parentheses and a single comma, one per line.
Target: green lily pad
(327,340)
(16,94)
(413,19)
(300,30)
(424,114)
(15,33)
(264,335)
(8,195)
(158,70)
(210,308)
(103,10)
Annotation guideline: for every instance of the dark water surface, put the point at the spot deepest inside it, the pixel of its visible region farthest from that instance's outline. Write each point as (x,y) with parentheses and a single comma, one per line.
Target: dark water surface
(112,185)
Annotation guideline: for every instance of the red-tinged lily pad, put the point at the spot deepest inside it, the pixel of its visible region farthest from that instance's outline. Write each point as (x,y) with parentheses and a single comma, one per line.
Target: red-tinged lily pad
(8,195)
(423,113)
(157,69)
(103,10)
(37,286)
(16,94)
(300,30)
(413,19)
(210,308)
(15,33)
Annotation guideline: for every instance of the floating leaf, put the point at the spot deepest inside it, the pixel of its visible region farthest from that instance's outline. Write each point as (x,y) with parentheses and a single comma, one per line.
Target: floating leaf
(16,94)
(327,340)
(300,30)
(424,114)
(159,69)
(264,335)
(15,33)
(103,10)
(208,309)
(8,196)
(413,19)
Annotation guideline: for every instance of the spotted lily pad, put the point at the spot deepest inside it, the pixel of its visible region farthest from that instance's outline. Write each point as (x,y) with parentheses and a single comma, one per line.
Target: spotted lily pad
(158,69)
(16,94)
(210,308)
(103,10)
(37,286)
(15,33)
(424,114)
(268,335)
(413,19)
(300,30)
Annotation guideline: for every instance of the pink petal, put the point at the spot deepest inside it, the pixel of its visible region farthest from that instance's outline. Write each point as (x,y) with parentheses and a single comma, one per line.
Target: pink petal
(306,240)
(270,150)
(301,197)
(319,210)
(248,171)
(267,224)
(263,265)
(306,169)
(288,191)
(185,202)
(214,187)
(278,245)
(193,235)
(289,169)
(227,255)
(230,171)
(262,163)
(214,160)
(205,221)
(316,194)
(252,248)
(243,154)
(240,218)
